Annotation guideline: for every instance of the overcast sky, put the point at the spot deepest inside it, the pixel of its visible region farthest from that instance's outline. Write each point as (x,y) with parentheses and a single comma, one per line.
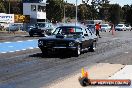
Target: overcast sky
(121,2)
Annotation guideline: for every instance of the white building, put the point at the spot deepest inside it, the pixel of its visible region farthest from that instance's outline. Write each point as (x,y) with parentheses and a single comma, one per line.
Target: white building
(37,11)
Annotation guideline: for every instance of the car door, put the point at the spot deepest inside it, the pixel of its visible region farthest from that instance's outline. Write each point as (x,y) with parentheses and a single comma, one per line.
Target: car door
(90,38)
(85,39)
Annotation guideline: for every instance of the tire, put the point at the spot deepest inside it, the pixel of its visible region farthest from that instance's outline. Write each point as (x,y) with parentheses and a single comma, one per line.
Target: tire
(31,35)
(92,47)
(78,51)
(44,52)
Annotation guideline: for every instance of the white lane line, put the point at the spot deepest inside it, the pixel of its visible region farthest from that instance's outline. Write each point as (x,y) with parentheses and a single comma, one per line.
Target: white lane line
(10,46)
(19,41)
(29,40)
(17,50)
(7,42)
(3,52)
(30,47)
(11,51)
(23,49)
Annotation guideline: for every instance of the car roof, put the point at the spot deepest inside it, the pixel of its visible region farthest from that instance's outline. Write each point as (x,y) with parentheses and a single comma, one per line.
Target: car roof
(73,25)
(121,24)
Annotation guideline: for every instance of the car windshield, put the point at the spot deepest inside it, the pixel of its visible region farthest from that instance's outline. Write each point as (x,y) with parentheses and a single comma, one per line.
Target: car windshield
(68,31)
(40,24)
(90,25)
(126,25)
(119,25)
(104,25)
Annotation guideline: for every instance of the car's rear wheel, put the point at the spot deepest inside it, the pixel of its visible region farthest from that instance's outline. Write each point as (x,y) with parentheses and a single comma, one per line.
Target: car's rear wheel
(78,51)
(93,47)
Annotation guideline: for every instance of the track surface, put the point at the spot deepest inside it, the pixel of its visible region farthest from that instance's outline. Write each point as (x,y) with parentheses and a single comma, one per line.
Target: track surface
(30,69)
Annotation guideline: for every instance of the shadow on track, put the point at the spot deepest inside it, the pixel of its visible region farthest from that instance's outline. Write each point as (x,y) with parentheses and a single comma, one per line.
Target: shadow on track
(61,56)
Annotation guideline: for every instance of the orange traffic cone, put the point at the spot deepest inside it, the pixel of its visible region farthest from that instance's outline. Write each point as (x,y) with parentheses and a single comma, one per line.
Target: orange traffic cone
(84,73)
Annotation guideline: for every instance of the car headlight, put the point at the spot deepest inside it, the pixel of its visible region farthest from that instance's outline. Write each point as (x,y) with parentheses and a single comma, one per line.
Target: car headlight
(71,43)
(29,29)
(40,43)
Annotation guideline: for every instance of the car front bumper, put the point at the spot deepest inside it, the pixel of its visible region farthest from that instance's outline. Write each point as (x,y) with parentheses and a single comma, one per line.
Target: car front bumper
(58,49)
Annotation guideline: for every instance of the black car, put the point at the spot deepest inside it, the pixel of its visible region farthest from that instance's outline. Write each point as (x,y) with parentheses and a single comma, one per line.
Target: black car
(68,39)
(40,29)
(92,27)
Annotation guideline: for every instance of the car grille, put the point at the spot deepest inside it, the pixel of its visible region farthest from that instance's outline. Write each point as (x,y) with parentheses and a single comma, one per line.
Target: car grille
(50,43)
(60,44)
(55,43)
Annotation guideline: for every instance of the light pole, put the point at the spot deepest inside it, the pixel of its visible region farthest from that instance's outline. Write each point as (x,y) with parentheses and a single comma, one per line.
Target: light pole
(45,11)
(64,15)
(64,12)
(76,13)
(9,6)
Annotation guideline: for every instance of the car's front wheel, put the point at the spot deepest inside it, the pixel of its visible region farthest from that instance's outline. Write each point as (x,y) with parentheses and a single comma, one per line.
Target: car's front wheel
(30,34)
(93,47)
(78,51)
(44,52)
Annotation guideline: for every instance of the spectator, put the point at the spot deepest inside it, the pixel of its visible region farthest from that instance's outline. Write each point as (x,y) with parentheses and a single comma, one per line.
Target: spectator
(112,26)
(98,27)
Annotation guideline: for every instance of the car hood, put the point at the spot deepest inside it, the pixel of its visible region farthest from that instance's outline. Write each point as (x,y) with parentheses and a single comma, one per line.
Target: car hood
(58,37)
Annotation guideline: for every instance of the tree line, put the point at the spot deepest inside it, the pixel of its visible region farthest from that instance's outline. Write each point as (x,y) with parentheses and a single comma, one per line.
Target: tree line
(57,9)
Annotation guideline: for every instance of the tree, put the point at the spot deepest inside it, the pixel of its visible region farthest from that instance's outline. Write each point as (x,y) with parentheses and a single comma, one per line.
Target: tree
(32,1)
(104,10)
(126,9)
(82,12)
(2,7)
(70,10)
(97,13)
(16,7)
(129,16)
(54,10)
(114,13)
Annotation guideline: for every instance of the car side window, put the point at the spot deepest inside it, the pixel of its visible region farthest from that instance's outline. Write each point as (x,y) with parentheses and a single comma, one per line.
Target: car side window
(84,31)
(57,31)
(89,32)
